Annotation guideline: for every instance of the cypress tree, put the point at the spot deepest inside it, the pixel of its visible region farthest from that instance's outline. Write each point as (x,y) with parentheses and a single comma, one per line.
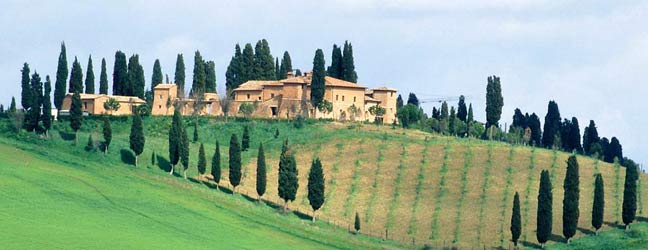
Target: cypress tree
(348,66)
(76,115)
(286,65)
(278,69)
(462,111)
(630,195)
(210,77)
(536,133)
(156,78)
(120,74)
(316,186)
(76,77)
(47,106)
(174,140)
(356,223)
(264,68)
(103,78)
(202,162)
(107,134)
(12,106)
(318,82)
(60,85)
(261,173)
(519,120)
(26,91)
(233,73)
(136,81)
(199,77)
(470,118)
(570,200)
(234,163)
(184,151)
(399,102)
(36,97)
(245,141)
(551,125)
(90,145)
(516,223)
(136,138)
(247,65)
(179,77)
(614,150)
(590,138)
(335,70)
(545,203)
(216,166)
(598,205)
(195,131)
(90,78)
(494,101)
(288,182)
(153,158)
(412,99)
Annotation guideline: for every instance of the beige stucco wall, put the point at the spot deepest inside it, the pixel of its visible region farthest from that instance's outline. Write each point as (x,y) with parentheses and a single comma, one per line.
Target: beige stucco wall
(388,101)
(96,106)
(162,96)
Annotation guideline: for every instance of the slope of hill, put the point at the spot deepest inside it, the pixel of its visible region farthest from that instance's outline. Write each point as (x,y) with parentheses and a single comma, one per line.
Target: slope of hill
(408,186)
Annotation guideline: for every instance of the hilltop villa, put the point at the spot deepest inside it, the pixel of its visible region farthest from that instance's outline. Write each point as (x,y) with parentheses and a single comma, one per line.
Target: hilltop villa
(93,104)
(166,98)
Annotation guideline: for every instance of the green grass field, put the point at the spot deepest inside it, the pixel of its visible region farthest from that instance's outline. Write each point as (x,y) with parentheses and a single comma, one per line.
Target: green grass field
(408,186)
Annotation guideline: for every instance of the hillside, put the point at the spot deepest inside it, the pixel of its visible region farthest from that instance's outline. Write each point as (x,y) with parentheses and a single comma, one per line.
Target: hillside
(409,186)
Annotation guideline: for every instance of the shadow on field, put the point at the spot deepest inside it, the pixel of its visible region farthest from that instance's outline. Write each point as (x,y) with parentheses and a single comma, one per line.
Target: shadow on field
(613,225)
(127,156)
(529,244)
(66,136)
(557,238)
(642,219)
(586,231)
(163,163)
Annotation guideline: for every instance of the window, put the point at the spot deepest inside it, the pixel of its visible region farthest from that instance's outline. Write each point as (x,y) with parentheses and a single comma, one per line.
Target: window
(391,94)
(85,105)
(271,95)
(354,99)
(342,98)
(160,97)
(259,98)
(160,106)
(248,96)
(336,97)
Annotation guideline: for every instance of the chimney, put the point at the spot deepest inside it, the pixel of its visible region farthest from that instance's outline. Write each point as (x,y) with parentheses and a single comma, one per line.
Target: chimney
(289,74)
(308,74)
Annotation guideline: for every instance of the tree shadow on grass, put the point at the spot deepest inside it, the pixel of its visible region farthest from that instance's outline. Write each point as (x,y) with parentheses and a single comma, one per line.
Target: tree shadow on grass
(528,244)
(614,225)
(586,231)
(127,156)
(642,219)
(66,136)
(557,238)
(163,163)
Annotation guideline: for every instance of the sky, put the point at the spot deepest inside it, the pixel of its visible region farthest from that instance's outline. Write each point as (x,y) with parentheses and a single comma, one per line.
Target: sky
(591,57)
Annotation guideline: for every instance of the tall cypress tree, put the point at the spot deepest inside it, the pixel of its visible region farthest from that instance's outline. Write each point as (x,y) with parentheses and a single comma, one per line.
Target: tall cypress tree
(103,78)
(261,177)
(245,141)
(570,200)
(120,74)
(247,64)
(590,138)
(516,223)
(356,223)
(630,195)
(494,101)
(544,214)
(136,138)
(90,78)
(278,69)
(184,151)
(210,77)
(36,97)
(174,140)
(76,77)
(462,111)
(598,206)
(399,102)
(316,186)
(551,125)
(216,165)
(286,65)
(202,162)
(234,163)
(195,131)
(288,182)
(318,82)
(233,73)
(76,115)
(179,77)
(348,66)
(264,68)
(336,69)
(156,78)
(107,134)
(26,91)
(470,117)
(536,133)
(47,105)
(412,99)
(136,81)
(199,77)
(12,106)
(60,86)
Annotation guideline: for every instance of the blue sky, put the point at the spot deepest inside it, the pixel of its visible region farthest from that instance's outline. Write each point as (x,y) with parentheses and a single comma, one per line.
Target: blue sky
(589,56)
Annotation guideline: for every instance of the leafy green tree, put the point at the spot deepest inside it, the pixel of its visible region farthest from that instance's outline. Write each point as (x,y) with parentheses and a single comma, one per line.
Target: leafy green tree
(348,66)
(175,140)
(156,78)
(136,138)
(516,222)
(216,165)
(245,141)
(288,182)
(316,186)
(318,81)
(233,74)
(111,105)
(598,206)
(409,115)
(202,162)
(356,223)
(107,133)
(545,205)
(60,85)
(76,115)
(179,77)
(462,111)
(199,76)
(76,77)
(90,78)
(136,81)
(494,101)
(246,109)
(570,200)
(26,90)
(399,102)
(47,106)
(261,177)
(210,77)
(103,78)
(630,196)
(552,125)
(120,75)
(336,69)
(234,163)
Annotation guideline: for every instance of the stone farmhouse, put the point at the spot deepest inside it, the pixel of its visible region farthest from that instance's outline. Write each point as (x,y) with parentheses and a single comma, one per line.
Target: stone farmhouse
(166,100)
(93,104)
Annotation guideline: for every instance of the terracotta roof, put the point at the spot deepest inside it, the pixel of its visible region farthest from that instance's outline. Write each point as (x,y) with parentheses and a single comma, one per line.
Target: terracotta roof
(330,81)
(296,79)
(256,85)
(164,86)
(385,89)
(369,99)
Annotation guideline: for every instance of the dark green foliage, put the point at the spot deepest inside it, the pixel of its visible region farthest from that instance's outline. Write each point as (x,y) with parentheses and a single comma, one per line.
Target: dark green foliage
(356,223)
(234,162)
(233,75)
(245,141)
(630,195)
(60,85)
(103,78)
(516,221)
(107,133)
(153,158)
(348,66)
(494,101)
(76,77)
(47,105)
(12,106)
(76,114)
(590,138)
(519,120)
(288,182)
(598,206)
(286,65)
(216,164)
(470,117)
(179,77)
(90,78)
(156,78)
(34,112)
(551,125)
(412,99)
(409,115)
(613,151)
(184,151)
(136,81)
(317,83)
(26,91)
(210,77)
(278,70)
(462,111)
(399,102)
(545,204)
(120,75)
(90,145)
(276,135)
(570,200)
(316,185)
(247,64)
(136,138)
(195,131)
(174,138)
(264,68)
(570,135)
(298,72)
(202,162)
(199,76)
(336,69)
(261,172)
(536,134)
